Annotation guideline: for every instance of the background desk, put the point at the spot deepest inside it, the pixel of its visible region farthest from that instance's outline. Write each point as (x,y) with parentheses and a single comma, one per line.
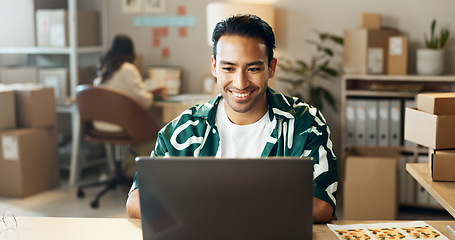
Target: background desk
(175,105)
(166,110)
(118,228)
(443,192)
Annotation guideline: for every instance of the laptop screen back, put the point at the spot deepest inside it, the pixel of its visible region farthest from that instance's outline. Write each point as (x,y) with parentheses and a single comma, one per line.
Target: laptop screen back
(222,198)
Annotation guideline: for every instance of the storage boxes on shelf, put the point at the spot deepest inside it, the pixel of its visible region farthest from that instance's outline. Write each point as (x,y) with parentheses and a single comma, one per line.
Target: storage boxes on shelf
(431,125)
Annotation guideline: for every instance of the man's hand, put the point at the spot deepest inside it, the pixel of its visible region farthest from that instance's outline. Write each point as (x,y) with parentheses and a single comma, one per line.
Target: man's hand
(322,211)
(133,207)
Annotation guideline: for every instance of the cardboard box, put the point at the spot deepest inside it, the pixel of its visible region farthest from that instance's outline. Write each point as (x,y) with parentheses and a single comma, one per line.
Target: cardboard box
(365,50)
(18,23)
(370,185)
(398,55)
(370,20)
(437,103)
(28,161)
(58,79)
(35,107)
(21,74)
(52,28)
(442,165)
(8,108)
(433,131)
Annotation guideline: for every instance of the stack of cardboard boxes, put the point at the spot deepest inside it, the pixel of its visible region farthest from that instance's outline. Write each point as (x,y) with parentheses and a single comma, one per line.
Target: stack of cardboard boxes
(56,78)
(370,181)
(28,140)
(432,125)
(372,49)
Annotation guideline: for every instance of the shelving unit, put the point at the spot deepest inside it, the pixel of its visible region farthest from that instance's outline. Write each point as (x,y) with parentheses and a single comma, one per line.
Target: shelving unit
(72,51)
(391,87)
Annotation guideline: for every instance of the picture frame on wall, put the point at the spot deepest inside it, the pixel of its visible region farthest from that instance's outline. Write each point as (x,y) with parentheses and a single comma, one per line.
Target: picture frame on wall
(143,6)
(132,6)
(154,6)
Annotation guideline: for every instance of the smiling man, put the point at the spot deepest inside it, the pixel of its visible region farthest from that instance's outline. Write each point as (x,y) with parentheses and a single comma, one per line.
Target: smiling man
(249,119)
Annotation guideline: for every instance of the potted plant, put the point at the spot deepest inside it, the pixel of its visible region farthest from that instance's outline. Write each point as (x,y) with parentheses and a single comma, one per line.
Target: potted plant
(430,60)
(300,76)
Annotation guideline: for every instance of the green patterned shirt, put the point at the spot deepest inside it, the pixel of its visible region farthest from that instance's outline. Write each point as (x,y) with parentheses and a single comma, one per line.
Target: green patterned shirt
(300,131)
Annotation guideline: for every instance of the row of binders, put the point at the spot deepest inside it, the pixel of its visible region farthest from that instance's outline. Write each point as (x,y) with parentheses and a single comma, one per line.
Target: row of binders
(375,122)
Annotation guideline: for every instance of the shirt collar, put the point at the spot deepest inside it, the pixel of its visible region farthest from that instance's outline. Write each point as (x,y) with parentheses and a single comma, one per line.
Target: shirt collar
(280,106)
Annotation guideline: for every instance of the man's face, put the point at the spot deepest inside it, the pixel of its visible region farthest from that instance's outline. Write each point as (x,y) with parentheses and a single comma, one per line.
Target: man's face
(242,72)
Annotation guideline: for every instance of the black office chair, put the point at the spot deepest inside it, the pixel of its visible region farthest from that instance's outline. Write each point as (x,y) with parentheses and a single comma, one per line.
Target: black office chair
(138,124)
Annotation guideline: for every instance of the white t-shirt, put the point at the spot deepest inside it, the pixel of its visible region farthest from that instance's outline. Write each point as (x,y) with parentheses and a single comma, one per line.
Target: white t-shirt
(243,141)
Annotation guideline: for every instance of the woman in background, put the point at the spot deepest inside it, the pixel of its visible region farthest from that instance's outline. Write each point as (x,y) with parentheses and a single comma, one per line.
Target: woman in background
(117,71)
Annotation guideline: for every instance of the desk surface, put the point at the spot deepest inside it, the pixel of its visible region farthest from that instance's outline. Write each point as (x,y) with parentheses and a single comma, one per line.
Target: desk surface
(443,192)
(50,228)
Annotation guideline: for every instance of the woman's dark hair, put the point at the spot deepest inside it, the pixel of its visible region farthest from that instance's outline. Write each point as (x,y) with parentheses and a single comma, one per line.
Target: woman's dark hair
(122,50)
(245,25)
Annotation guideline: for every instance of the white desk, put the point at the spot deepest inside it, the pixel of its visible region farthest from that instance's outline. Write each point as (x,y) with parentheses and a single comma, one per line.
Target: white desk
(50,228)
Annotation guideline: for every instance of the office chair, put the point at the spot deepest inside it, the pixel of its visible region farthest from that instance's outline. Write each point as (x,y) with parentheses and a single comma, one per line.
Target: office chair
(138,124)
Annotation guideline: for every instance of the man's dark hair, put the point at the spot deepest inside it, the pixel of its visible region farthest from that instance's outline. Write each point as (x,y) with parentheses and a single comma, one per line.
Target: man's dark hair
(245,25)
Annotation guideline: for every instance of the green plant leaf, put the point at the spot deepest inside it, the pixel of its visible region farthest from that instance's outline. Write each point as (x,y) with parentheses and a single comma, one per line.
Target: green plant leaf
(427,42)
(444,37)
(302,64)
(316,98)
(336,39)
(283,67)
(328,51)
(330,71)
(323,36)
(436,40)
(319,94)
(433,26)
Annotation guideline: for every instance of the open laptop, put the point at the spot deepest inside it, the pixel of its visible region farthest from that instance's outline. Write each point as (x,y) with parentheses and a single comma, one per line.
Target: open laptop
(225,198)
